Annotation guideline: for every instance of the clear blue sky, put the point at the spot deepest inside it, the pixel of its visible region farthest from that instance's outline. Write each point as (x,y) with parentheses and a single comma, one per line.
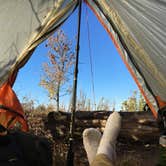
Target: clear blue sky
(111,78)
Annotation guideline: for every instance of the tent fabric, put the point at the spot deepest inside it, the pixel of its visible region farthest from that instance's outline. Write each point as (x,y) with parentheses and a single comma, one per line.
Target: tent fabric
(138,29)
(23,25)
(9,100)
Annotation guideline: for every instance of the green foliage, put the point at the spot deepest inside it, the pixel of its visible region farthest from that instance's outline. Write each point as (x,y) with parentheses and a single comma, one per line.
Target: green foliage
(141,102)
(133,103)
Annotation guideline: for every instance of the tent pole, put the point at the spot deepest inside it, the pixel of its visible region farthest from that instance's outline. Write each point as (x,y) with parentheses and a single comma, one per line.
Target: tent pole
(70,155)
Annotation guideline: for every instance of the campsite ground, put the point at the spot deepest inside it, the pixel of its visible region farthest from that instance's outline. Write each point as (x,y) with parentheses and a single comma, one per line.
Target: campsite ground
(129,153)
(137,154)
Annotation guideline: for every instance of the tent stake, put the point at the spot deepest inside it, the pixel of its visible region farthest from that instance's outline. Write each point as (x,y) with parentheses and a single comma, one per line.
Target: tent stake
(70,155)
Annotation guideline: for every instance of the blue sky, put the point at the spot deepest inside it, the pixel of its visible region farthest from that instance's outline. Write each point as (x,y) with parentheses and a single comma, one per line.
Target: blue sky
(111,78)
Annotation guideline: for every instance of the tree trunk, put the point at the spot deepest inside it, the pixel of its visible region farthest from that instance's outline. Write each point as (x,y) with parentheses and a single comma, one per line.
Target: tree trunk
(57,97)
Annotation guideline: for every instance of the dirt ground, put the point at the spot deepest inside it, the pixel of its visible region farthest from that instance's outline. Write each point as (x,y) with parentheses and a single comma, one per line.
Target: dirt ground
(128,154)
(137,154)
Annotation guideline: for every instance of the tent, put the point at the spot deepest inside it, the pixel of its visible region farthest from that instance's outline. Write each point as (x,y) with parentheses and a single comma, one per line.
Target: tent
(137,28)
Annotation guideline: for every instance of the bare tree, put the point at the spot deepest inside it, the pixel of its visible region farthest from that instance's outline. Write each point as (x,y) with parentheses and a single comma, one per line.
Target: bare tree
(58,69)
(84,103)
(103,105)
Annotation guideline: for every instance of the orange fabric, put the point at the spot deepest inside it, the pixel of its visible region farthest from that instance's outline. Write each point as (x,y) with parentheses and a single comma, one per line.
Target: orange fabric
(161,102)
(125,62)
(9,99)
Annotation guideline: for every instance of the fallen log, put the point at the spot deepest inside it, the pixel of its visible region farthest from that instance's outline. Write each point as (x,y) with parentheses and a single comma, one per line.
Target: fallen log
(136,126)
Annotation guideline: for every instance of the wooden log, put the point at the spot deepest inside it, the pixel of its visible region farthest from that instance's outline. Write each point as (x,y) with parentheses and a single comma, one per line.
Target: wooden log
(136,126)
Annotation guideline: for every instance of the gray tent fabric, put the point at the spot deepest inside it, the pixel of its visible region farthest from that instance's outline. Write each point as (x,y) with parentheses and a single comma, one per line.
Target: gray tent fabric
(23,25)
(139,28)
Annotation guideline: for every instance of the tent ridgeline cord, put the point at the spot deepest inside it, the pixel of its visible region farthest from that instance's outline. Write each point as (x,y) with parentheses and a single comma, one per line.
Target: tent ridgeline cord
(90,57)
(70,154)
